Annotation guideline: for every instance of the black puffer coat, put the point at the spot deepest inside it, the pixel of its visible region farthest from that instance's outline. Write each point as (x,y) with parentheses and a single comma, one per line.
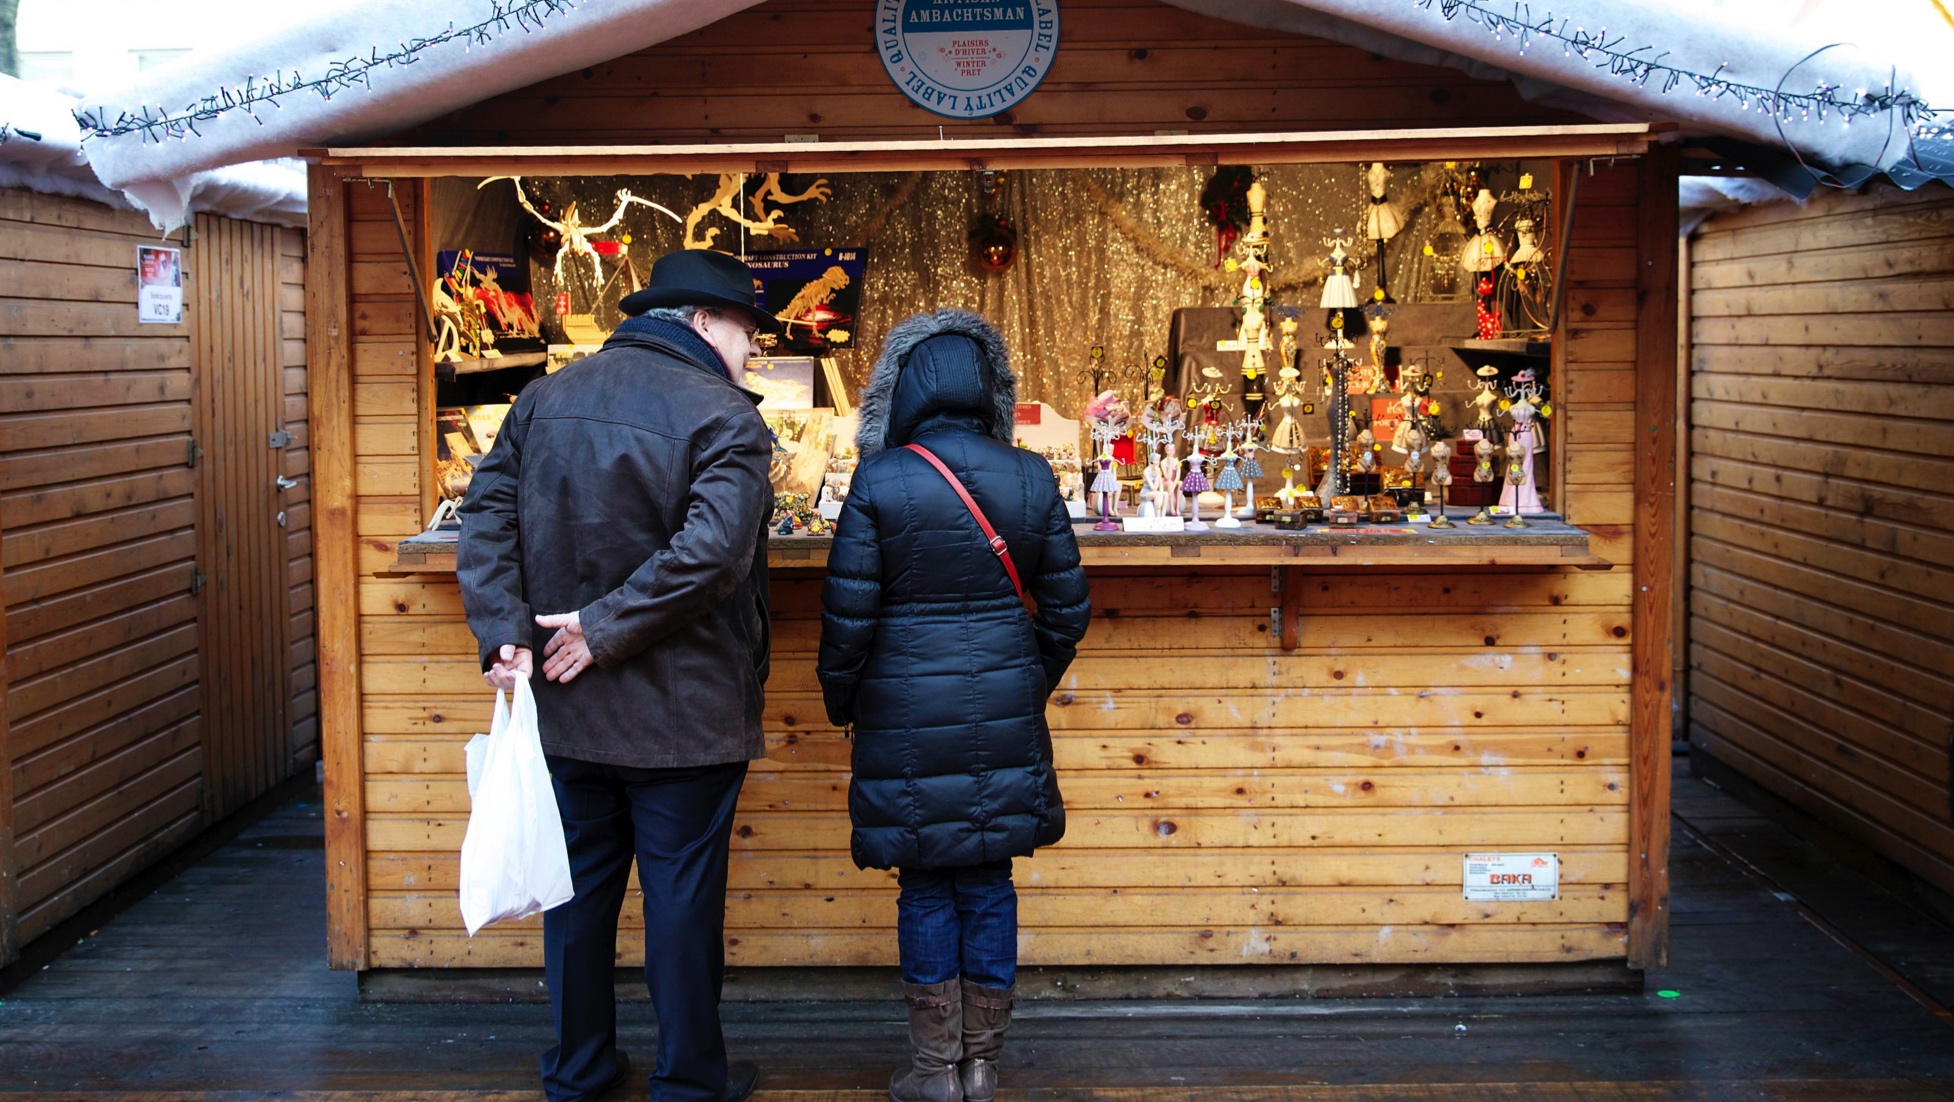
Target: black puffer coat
(924,645)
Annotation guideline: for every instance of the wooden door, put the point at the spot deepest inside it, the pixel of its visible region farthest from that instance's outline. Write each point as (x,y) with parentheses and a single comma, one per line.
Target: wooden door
(242,516)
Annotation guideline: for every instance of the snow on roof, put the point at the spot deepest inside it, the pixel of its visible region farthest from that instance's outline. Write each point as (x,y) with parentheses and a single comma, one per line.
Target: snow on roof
(41,150)
(1760,72)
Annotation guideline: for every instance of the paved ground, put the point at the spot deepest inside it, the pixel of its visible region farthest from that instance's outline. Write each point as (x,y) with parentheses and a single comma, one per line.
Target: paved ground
(214,988)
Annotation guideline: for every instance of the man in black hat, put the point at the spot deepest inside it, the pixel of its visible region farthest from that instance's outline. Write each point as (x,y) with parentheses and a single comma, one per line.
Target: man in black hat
(619,527)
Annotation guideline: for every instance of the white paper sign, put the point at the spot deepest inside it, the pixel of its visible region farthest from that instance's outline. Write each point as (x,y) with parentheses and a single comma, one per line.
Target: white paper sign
(1154,524)
(1511,877)
(159,285)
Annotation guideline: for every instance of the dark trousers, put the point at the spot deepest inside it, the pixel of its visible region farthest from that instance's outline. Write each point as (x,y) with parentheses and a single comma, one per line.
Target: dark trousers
(677,823)
(958,922)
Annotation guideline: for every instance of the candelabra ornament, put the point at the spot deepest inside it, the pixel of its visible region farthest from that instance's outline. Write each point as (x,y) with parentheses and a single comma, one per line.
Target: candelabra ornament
(1108,417)
(1440,479)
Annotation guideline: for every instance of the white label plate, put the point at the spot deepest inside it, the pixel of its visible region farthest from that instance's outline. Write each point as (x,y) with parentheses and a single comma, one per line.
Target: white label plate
(1511,877)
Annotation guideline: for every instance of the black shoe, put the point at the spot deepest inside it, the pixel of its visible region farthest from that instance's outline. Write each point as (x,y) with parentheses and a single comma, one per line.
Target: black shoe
(620,1082)
(741,1077)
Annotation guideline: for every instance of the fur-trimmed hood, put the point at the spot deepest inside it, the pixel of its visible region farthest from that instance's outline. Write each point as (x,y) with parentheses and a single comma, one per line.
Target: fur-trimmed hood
(997,406)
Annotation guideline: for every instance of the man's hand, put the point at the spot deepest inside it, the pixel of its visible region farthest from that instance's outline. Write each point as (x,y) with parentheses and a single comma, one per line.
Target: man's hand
(511,663)
(566,654)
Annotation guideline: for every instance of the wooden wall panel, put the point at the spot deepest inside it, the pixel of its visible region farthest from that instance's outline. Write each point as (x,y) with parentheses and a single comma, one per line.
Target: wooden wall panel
(1125,66)
(103,727)
(109,742)
(301,691)
(1821,663)
(1228,801)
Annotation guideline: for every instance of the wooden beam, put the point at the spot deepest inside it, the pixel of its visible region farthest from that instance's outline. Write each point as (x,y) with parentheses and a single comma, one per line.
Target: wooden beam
(1679,572)
(1650,662)
(1292,607)
(9,873)
(1131,151)
(335,562)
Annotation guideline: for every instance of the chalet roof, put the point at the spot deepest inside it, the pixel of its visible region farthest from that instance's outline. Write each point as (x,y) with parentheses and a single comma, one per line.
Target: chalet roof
(1757,74)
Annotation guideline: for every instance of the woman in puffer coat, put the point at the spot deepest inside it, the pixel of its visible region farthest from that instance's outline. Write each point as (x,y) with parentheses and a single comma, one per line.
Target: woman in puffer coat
(927,651)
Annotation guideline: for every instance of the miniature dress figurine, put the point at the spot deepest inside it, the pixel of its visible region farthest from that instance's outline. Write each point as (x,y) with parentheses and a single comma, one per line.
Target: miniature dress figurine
(1250,470)
(1196,482)
(1440,479)
(1484,401)
(1228,481)
(1105,488)
(1483,255)
(1108,416)
(1483,450)
(1483,252)
(1521,494)
(1338,292)
(1366,451)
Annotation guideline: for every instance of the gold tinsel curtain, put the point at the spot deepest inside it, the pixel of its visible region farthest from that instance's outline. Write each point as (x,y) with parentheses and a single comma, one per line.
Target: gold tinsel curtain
(1105,256)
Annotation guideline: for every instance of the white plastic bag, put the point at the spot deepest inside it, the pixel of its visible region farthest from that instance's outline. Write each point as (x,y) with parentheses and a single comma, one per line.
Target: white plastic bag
(513,860)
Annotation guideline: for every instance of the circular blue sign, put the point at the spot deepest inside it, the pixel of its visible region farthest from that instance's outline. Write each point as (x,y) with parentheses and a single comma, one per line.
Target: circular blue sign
(968,59)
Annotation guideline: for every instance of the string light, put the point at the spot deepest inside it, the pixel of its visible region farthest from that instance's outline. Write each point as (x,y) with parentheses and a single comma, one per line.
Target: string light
(1643,67)
(355,71)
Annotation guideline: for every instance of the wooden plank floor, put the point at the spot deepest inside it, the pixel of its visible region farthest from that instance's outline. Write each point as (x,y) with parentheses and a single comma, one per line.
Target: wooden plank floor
(214,988)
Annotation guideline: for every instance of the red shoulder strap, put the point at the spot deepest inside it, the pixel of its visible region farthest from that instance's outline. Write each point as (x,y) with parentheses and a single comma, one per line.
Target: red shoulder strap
(998,546)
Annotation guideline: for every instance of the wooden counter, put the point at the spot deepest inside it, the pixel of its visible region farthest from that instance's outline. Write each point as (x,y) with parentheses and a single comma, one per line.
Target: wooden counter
(1550,541)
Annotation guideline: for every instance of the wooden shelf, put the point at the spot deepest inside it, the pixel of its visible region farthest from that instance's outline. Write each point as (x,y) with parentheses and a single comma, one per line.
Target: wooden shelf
(1549,542)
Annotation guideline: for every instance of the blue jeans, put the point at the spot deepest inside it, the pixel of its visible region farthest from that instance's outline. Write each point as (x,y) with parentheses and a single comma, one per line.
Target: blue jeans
(958,922)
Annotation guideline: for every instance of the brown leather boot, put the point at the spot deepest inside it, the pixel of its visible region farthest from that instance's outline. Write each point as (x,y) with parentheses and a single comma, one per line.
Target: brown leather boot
(986,1015)
(935,1042)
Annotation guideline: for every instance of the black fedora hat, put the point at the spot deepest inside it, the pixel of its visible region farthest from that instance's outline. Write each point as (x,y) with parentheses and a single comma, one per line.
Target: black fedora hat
(700,277)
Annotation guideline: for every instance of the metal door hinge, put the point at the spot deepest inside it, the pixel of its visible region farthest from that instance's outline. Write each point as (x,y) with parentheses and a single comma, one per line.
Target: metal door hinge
(196,583)
(280,439)
(195,453)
